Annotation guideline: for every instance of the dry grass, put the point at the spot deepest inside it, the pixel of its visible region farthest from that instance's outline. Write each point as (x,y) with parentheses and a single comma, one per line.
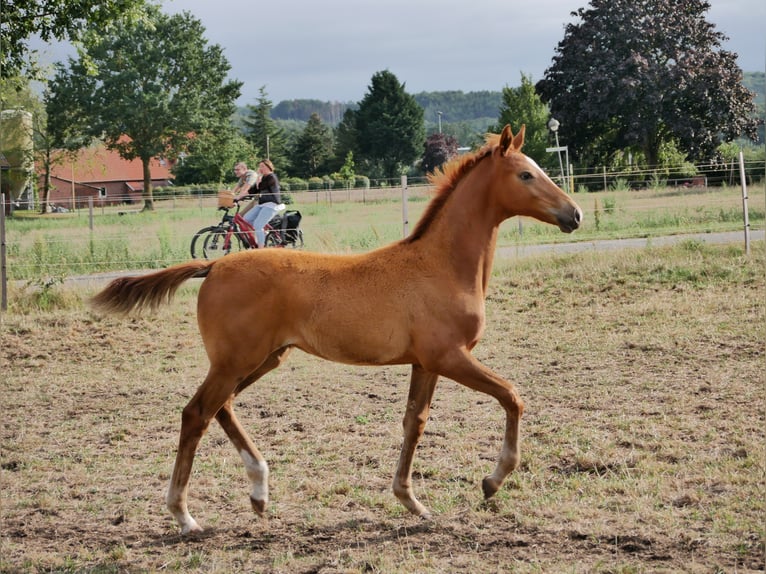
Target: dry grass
(643,438)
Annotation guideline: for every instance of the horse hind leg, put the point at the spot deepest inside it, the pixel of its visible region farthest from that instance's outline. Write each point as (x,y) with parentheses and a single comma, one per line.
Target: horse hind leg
(255,465)
(422,386)
(195,419)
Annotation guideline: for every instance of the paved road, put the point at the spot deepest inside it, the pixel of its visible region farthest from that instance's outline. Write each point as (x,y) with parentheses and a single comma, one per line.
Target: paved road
(612,244)
(520,251)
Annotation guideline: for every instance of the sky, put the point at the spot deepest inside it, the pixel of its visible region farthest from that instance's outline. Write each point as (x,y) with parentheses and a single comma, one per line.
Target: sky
(329,50)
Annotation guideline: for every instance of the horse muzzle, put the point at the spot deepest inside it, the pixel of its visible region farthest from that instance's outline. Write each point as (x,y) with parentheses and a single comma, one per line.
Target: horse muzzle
(569,219)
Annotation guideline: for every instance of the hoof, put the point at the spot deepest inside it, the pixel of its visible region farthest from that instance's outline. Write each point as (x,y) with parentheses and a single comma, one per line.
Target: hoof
(191,529)
(489,487)
(259,506)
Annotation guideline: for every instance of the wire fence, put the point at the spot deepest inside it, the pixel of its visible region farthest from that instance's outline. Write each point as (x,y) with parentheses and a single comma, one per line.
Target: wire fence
(101,236)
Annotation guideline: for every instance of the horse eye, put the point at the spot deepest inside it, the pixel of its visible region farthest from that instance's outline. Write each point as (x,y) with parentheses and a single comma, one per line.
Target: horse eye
(526,176)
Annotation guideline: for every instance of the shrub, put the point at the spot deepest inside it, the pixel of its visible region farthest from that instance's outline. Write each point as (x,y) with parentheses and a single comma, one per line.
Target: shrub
(295,184)
(316,184)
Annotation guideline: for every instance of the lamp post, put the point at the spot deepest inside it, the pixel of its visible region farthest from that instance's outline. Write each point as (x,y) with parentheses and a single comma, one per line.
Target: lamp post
(553,125)
(440,121)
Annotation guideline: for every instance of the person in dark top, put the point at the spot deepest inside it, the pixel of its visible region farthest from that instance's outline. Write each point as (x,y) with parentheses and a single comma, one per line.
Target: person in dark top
(269,196)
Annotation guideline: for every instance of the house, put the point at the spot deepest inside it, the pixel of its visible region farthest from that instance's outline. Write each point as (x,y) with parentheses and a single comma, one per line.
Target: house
(103,175)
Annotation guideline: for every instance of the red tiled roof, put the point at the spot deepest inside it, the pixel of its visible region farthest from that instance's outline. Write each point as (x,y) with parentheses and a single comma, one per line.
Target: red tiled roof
(98,164)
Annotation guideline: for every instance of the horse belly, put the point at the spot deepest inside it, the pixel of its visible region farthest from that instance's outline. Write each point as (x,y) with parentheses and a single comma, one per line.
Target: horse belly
(360,339)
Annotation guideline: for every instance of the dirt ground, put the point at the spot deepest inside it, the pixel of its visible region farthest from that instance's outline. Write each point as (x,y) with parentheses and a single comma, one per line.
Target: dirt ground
(643,438)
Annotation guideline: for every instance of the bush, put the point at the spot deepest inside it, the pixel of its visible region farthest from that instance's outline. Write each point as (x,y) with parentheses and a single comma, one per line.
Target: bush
(295,184)
(361,182)
(316,183)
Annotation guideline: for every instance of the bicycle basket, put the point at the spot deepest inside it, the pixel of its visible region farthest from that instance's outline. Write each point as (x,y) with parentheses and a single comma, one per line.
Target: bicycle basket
(225,199)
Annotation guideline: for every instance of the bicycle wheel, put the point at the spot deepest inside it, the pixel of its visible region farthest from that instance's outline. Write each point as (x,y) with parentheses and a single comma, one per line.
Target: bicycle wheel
(273,239)
(213,244)
(293,238)
(199,239)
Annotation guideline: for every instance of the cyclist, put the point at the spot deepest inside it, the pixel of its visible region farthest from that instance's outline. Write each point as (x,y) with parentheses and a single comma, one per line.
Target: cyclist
(247,178)
(269,196)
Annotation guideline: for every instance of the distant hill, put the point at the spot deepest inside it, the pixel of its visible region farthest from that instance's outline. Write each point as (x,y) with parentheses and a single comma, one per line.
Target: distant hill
(455,106)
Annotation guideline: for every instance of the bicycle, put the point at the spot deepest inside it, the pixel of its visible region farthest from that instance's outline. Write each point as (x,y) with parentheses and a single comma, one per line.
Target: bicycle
(233,233)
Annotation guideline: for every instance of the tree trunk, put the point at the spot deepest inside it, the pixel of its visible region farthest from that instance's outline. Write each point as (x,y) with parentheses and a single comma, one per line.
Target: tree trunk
(148,199)
(46,183)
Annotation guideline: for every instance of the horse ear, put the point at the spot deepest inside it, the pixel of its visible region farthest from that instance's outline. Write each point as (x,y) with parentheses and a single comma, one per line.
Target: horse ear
(506,139)
(518,139)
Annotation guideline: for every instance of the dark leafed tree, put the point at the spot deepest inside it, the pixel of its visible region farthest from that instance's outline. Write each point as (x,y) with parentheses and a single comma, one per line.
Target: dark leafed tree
(313,148)
(262,131)
(522,105)
(344,140)
(144,89)
(439,149)
(53,20)
(643,73)
(389,126)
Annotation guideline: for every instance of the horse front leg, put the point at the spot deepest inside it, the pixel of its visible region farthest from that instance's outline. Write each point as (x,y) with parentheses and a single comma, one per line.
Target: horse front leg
(465,369)
(422,385)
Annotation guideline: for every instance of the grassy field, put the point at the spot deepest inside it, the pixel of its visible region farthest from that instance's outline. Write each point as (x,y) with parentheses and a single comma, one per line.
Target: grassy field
(52,247)
(643,445)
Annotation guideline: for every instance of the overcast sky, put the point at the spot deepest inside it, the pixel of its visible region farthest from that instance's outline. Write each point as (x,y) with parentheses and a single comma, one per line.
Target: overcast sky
(329,50)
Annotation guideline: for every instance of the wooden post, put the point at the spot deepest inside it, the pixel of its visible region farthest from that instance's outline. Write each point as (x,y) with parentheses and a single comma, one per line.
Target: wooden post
(744,202)
(3,269)
(405,218)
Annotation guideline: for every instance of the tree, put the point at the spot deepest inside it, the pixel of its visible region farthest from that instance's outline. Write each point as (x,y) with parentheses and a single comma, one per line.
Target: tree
(262,131)
(211,155)
(344,140)
(642,73)
(52,20)
(154,85)
(17,93)
(389,126)
(313,148)
(522,105)
(439,149)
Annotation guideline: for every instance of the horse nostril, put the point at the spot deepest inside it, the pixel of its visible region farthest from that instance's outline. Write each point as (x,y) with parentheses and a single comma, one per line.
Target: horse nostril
(578,215)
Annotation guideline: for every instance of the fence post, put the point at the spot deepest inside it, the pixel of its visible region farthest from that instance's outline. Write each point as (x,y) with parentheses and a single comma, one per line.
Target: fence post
(90,212)
(3,270)
(744,202)
(405,218)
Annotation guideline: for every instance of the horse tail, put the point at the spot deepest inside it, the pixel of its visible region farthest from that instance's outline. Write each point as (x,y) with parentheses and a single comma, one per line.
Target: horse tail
(126,294)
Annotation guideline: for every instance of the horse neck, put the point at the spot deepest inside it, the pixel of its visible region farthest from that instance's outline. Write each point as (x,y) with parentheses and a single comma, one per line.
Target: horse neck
(464,233)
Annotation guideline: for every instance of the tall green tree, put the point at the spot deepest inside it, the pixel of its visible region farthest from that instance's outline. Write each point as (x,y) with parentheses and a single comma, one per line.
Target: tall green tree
(313,148)
(17,93)
(211,156)
(389,126)
(637,74)
(344,140)
(52,20)
(522,105)
(145,89)
(264,133)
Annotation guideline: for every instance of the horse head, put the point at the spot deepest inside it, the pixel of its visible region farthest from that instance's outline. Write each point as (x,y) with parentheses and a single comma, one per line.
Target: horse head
(522,187)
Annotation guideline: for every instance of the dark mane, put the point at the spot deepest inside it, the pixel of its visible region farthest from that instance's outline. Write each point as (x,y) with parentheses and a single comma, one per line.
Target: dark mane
(445,179)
